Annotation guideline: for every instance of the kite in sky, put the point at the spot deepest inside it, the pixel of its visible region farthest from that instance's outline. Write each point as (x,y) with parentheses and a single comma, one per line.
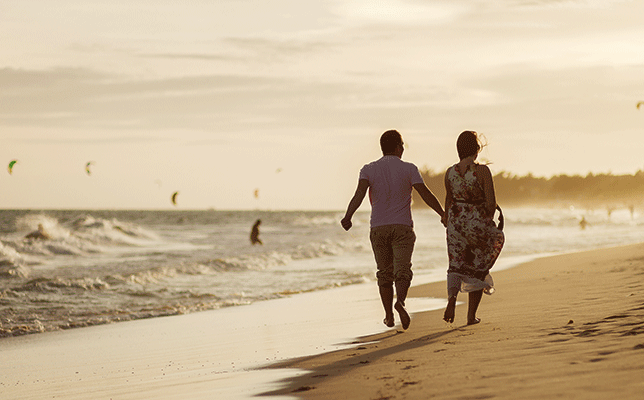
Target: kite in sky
(89,172)
(639,104)
(11,164)
(174,198)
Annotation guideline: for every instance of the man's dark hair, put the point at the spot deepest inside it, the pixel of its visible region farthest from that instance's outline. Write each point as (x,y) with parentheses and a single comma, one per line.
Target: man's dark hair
(389,141)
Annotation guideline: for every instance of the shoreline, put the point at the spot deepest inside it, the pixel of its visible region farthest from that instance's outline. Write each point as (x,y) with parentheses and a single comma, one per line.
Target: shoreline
(426,275)
(301,346)
(217,352)
(567,326)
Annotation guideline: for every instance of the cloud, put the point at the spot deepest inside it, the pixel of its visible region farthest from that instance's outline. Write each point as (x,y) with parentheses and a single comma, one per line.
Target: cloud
(528,82)
(191,56)
(87,101)
(281,46)
(84,98)
(399,11)
(203,110)
(100,139)
(251,49)
(565,3)
(20,79)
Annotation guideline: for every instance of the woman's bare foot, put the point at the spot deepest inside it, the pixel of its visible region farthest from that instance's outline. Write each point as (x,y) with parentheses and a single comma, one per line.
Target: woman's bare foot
(450,310)
(474,321)
(389,320)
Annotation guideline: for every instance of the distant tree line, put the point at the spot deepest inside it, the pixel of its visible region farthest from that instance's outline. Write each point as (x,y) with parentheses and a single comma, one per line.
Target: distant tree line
(590,191)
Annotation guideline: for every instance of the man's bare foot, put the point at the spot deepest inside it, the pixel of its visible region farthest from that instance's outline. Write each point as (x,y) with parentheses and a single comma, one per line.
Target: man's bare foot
(389,321)
(474,321)
(450,310)
(405,320)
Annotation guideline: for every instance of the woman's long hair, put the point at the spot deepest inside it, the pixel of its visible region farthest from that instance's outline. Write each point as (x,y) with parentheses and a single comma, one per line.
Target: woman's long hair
(468,144)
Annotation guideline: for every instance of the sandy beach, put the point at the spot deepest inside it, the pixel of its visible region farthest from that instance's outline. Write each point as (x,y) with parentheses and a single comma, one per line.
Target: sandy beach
(567,326)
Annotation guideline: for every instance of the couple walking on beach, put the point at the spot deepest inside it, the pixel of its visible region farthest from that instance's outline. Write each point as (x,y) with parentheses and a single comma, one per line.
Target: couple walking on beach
(473,240)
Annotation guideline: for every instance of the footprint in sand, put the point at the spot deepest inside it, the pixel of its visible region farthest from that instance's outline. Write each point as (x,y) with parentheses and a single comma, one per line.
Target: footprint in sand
(617,316)
(588,332)
(303,389)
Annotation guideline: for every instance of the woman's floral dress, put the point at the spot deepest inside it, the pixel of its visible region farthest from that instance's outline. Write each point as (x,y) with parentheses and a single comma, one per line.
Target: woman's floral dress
(473,240)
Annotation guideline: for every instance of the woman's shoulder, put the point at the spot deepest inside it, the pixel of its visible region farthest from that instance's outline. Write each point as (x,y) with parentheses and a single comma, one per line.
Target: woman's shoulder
(483,172)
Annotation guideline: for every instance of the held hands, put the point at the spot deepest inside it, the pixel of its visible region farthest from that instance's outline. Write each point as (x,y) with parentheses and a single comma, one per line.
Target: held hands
(346,223)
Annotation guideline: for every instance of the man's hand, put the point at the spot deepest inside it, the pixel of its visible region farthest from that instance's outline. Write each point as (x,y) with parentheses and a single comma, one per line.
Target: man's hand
(346,223)
(355,202)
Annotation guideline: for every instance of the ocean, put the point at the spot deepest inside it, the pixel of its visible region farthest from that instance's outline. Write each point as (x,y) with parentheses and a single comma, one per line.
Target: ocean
(99,267)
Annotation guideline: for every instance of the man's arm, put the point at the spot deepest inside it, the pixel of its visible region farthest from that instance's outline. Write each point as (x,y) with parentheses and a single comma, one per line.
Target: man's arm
(354,204)
(429,198)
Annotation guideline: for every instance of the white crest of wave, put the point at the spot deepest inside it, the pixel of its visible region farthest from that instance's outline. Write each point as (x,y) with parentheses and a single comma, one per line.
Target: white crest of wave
(12,263)
(52,227)
(81,236)
(111,231)
(316,220)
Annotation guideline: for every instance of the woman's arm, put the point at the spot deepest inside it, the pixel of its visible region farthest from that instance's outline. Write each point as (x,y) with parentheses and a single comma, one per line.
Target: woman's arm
(488,189)
(448,200)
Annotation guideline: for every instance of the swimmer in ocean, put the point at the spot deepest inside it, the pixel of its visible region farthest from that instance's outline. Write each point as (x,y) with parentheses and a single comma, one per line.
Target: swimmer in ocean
(39,234)
(254,233)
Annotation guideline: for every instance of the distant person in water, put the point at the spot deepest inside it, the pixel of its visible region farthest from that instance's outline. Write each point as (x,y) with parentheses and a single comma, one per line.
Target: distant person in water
(583,223)
(39,234)
(254,233)
(390,181)
(473,240)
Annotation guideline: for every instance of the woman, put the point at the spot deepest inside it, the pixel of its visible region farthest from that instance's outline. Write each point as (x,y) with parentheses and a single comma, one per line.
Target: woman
(473,240)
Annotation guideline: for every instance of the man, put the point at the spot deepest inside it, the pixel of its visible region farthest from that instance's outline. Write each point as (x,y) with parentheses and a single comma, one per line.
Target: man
(390,181)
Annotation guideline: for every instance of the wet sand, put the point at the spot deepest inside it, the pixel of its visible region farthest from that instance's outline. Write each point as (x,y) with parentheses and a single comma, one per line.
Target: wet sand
(206,355)
(568,326)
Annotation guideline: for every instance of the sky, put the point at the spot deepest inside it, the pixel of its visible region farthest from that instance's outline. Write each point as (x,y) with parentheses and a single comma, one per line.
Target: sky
(218,99)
